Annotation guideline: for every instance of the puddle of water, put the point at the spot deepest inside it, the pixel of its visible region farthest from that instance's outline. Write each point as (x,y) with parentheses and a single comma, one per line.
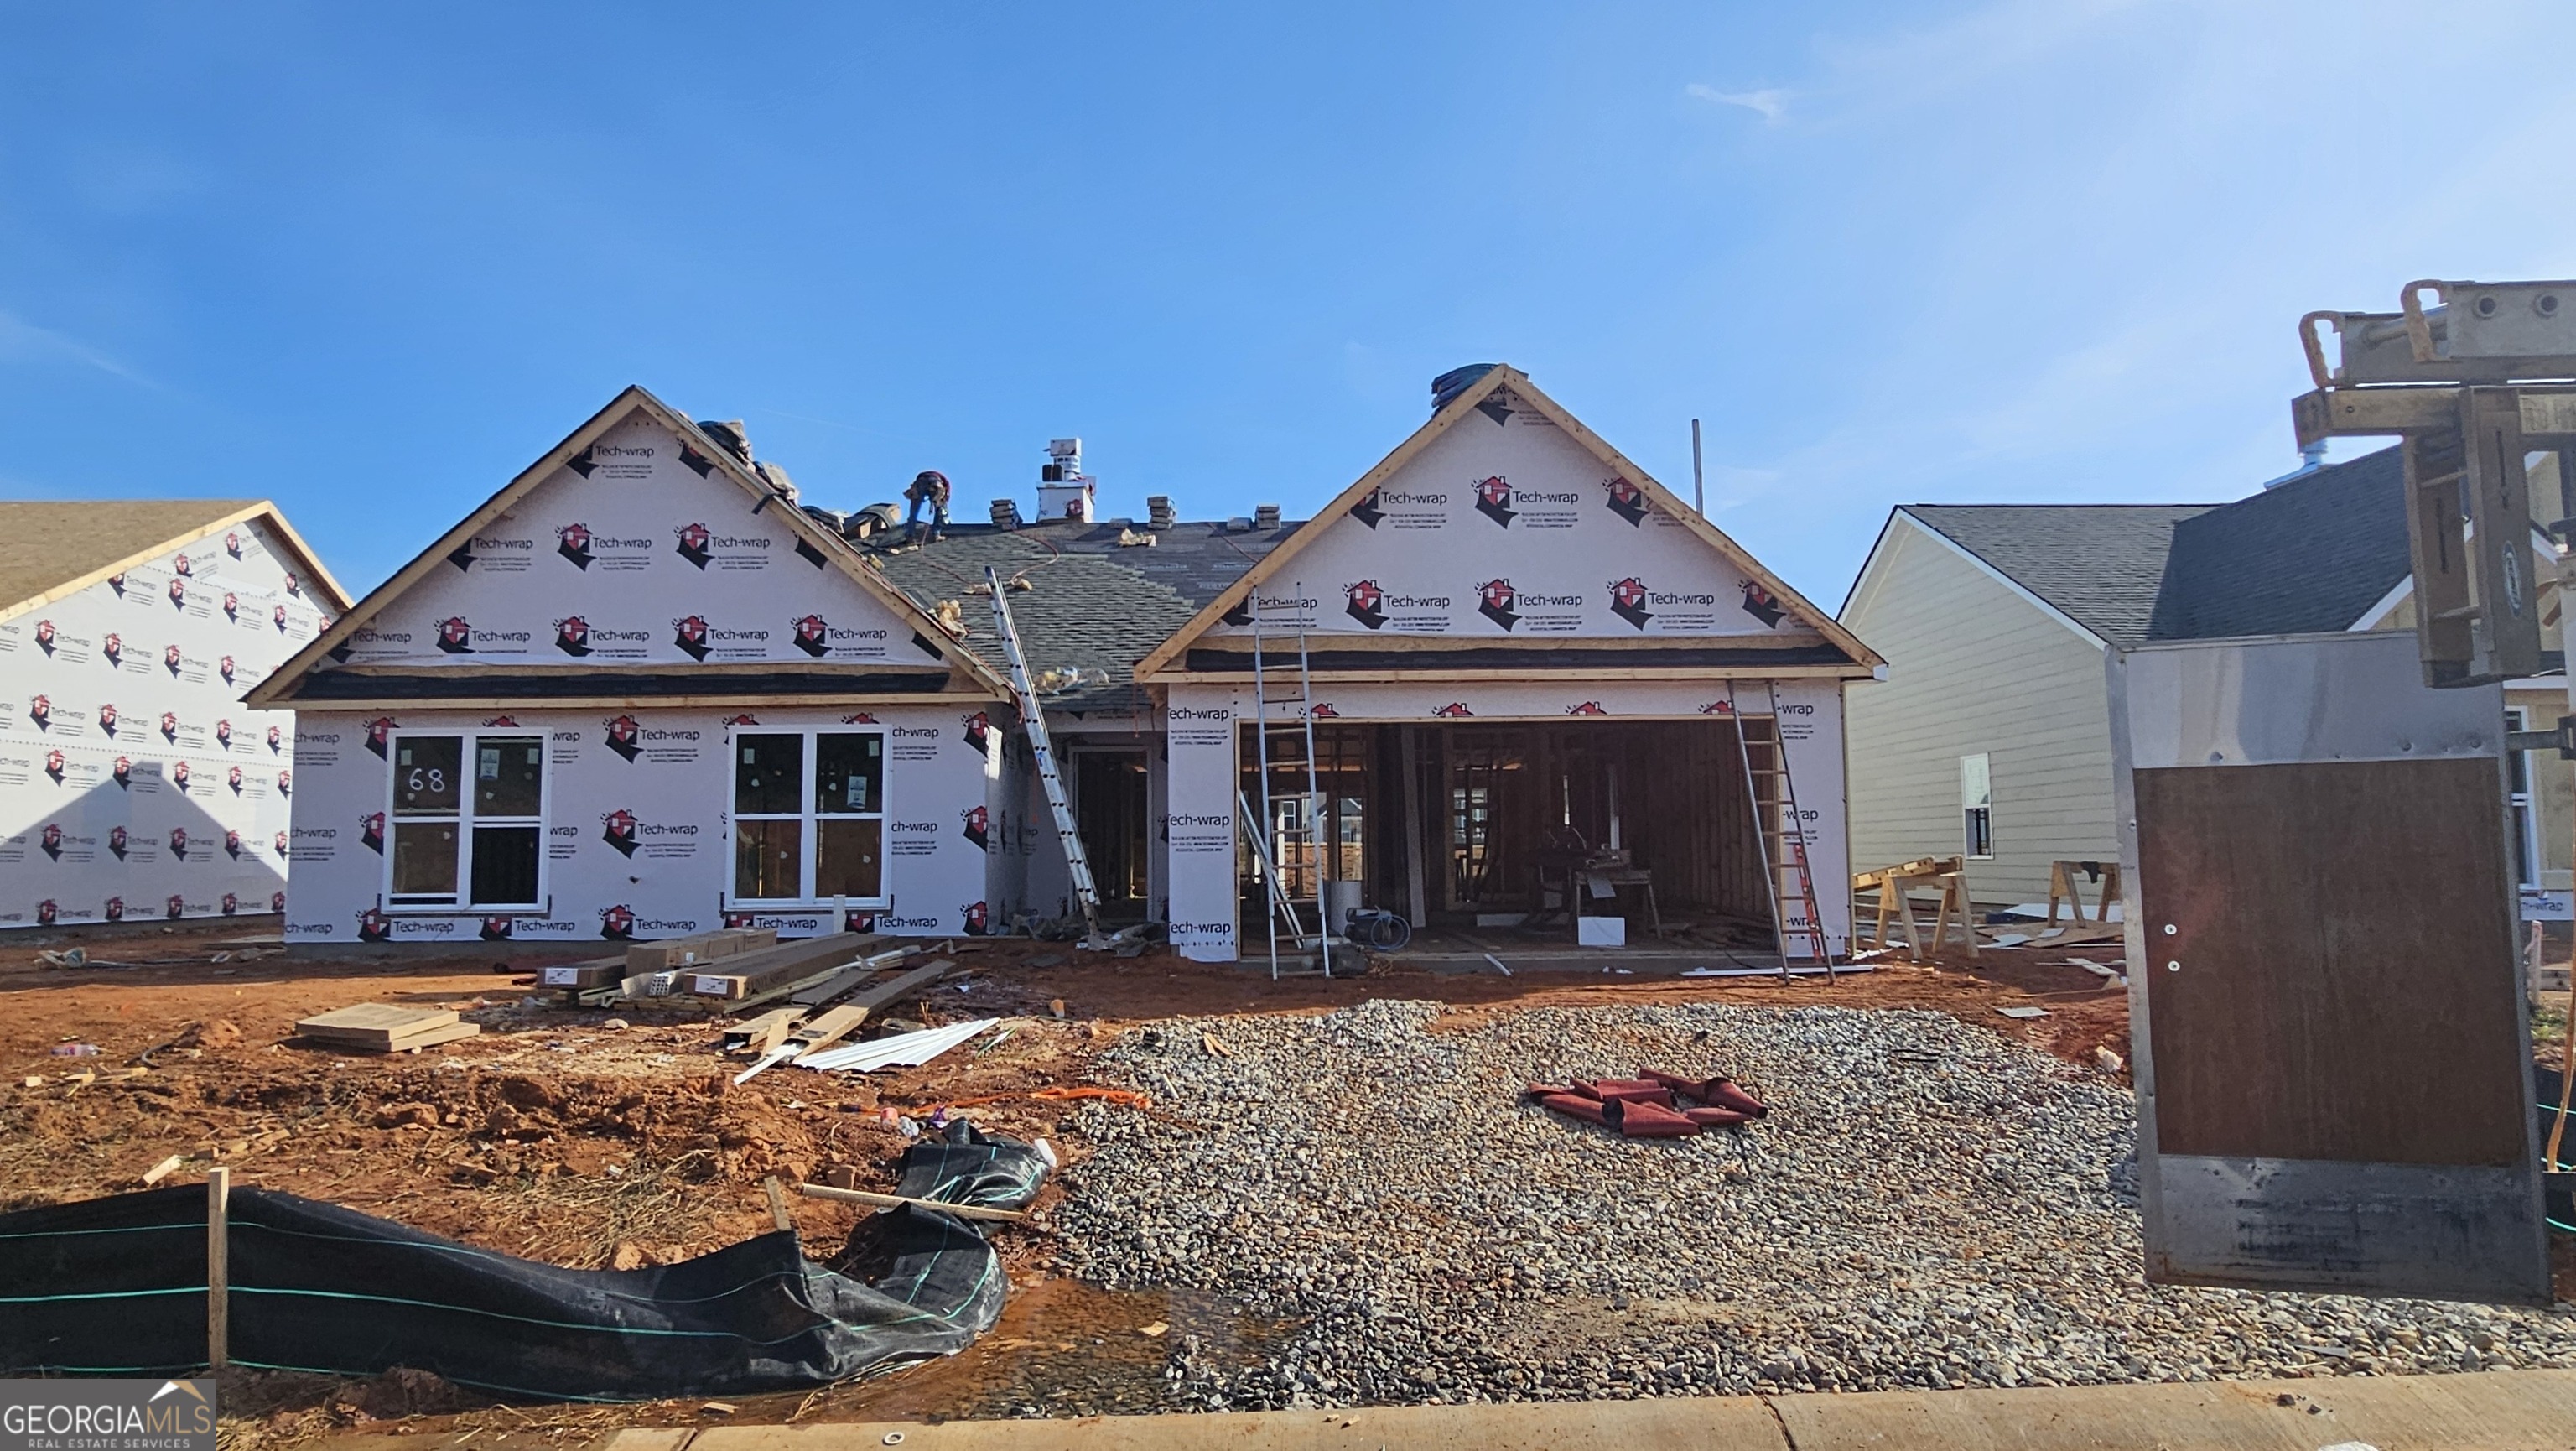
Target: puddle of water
(1067,1348)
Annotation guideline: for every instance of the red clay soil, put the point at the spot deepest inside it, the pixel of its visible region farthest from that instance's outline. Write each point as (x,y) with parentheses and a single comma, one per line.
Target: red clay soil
(558,1136)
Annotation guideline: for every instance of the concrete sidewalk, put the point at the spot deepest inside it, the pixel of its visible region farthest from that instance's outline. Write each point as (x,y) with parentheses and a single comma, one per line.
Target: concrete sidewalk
(2531,1410)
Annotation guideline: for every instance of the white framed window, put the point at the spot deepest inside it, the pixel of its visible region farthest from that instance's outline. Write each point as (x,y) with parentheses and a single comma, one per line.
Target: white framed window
(466,826)
(808,816)
(1976,805)
(2526,820)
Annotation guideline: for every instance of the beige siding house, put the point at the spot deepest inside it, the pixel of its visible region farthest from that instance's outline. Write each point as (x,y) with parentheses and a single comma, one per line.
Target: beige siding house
(1990,734)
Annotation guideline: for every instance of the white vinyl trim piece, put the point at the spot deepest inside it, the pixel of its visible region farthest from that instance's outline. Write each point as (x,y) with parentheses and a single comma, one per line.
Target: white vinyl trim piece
(907,1050)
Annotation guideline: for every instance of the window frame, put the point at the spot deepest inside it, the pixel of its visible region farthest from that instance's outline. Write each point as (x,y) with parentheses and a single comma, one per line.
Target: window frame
(2522,804)
(1977,817)
(468,738)
(810,836)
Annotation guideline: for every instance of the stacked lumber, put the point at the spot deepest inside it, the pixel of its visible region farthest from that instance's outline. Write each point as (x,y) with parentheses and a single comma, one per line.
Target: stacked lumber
(597,972)
(704,947)
(752,973)
(385,1028)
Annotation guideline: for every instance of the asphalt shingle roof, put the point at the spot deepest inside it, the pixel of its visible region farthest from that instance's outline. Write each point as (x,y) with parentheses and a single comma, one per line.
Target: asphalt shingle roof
(2310,554)
(48,543)
(2101,564)
(1092,604)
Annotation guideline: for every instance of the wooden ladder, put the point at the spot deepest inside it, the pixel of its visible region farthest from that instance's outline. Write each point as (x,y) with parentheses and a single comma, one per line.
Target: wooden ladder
(1777,826)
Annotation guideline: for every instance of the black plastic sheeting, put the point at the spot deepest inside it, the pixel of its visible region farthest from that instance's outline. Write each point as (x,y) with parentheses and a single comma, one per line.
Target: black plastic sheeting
(117,1286)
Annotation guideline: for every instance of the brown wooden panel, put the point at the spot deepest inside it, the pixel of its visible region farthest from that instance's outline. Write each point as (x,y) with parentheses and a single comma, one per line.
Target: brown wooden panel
(2346,989)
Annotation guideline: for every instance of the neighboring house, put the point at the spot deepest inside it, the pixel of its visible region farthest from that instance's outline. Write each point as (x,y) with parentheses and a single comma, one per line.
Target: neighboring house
(695,701)
(1990,735)
(134,784)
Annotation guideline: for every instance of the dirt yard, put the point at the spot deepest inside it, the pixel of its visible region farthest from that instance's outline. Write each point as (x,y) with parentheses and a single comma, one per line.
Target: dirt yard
(590,1139)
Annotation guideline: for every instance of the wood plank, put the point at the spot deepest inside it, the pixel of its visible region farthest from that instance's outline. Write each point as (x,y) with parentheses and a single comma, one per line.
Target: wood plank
(703,947)
(760,1034)
(2319,1012)
(756,972)
(597,972)
(219,1310)
(898,1201)
(374,1026)
(829,1027)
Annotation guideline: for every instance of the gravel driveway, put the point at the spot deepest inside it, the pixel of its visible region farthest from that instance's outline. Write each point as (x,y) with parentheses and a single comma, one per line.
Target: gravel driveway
(1929,1205)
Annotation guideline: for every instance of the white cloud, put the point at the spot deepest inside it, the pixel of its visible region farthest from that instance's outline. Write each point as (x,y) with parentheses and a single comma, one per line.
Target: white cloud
(1771,105)
(23,342)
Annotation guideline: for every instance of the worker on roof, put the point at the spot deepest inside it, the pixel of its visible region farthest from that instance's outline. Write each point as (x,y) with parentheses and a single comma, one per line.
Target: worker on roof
(930,486)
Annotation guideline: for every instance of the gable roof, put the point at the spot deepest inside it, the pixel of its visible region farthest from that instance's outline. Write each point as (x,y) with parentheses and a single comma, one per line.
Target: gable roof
(279,688)
(1092,605)
(2100,565)
(50,549)
(1458,405)
(2312,554)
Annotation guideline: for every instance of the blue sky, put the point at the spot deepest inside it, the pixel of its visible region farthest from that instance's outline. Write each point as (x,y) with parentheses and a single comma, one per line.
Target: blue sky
(370,260)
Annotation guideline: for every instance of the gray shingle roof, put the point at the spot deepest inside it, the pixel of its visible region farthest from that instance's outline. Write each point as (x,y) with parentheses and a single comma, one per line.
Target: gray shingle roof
(2310,554)
(2100,564)
(1091,603)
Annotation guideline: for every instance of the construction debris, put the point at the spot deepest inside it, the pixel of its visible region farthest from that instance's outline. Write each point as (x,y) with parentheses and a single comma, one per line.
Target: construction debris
(1649,1105)
(385,1028)
(908,1050)
(2023,1012)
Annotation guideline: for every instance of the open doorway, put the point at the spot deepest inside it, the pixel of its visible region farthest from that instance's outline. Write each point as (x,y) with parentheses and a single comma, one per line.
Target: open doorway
(1110,810)
(1499,835)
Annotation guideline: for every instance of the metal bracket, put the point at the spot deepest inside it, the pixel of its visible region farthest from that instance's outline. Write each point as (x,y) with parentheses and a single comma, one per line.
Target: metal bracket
(2562,740)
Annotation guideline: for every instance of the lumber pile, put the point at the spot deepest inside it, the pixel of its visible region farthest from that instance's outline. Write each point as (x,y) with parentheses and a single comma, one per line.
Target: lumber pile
(385,1028)
(753,973)
(705,947)
(597,972)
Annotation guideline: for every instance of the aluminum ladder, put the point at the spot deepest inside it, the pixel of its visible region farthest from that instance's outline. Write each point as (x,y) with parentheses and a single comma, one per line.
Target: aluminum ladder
(1785,870)
(1077,863)
(1302,839)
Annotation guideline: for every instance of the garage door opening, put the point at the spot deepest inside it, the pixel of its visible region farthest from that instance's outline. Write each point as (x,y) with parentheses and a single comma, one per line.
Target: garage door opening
(1498,836)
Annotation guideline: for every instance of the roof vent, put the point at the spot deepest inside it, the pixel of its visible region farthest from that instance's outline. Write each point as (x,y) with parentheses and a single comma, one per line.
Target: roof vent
(2312,459)
(1158,511)
(1238,525)
(1006,513)
(1265,517)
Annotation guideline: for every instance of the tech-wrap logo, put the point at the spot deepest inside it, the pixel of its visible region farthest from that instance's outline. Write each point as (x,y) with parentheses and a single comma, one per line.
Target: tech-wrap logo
(1589,707)
(1494,500)
(178,593)
(224,735)
(232,544)
(979,731)
(175,908)
(572,541)
(380,732)
(623,735)
(224,668)
(277,617)
(618,830)
(1495,599)
(234,779)
(55,766)
(170,726)
(697,546)
(178,843)
(1368,512)
(371,831)
(617,923)
(123,771)
(232,607)
(495,929)
(276,740)
(891,922)
(286,783)
(572,633)
(180,775)
(116,840)
(107,720)
(45,636)
(1626,500)
(1366,602)
(374,926)
(690,635)
(278,844)
(115,909)
(1628,601)
(40,712)
(979,822)
(455,636)
(1763,605)
(112,646)
(171,660)
(1454,710)
(813,635)
(232,845)
(1323,710)
(50,840)
(1201,934)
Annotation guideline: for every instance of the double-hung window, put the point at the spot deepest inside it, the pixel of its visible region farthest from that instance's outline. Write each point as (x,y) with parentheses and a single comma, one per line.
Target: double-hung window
(1977,805)
(468,821)
(809,816)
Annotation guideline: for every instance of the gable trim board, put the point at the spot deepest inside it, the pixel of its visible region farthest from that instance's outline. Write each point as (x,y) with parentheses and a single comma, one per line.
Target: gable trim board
(279,690)
(261,511)
(1169,660)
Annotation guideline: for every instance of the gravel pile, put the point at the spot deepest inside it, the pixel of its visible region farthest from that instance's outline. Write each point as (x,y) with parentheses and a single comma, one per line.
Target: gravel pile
(1929,1205)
